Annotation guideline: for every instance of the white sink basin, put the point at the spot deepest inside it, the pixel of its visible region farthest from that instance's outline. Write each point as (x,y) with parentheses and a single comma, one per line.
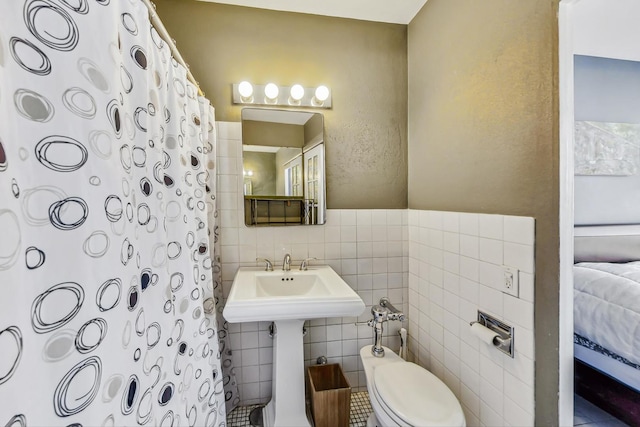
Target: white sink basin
(288,298)
(259,295)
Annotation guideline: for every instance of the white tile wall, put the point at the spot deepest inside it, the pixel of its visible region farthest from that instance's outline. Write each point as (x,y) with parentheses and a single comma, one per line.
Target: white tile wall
(449,280)
(441,267)
(368,248)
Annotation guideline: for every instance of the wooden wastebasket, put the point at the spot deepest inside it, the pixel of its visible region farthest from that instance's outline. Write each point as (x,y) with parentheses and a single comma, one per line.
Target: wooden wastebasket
(330,394)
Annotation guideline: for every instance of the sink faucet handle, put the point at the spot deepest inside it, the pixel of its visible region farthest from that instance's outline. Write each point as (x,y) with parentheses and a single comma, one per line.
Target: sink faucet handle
(286,262)
(305,263)
(268,264)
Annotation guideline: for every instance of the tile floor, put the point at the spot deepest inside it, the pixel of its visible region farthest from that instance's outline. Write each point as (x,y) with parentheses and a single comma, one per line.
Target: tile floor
(360,410)
(588,415)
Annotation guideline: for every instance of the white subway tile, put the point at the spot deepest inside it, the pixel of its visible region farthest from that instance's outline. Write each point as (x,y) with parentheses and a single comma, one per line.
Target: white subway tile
(364,249)
(348,233)
(394,217)
(469,290)
(470,377)
(451,221)
(333,218)
(436,257)
(330,251)
(491,397)
(451,281)
(435,220)
(492,373)
(491,226)
(452,344)
(451,242)
(469,223)
(334,349)
(491,301)
(435,239)
(514,415)
(378,217)
(379,233)
(363,233)
(491,275)
(469,246)
(348,217)
(331,234)
(469,268)
(521,393)
(518,311)
(363,217)
(469,399)
(348,250)
(519,256)
(349,266)
(451,262)
(521,367)
(519,229)
(526,286)
(490,250)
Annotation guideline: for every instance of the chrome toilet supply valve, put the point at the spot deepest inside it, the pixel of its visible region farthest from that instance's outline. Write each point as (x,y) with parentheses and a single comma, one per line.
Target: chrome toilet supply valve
(381,313)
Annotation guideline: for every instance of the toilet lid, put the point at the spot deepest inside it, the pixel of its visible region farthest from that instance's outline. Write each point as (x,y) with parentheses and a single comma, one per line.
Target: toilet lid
(417,396)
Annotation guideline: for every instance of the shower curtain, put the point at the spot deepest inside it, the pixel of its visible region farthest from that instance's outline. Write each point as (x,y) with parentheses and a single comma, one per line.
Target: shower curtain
(109,275)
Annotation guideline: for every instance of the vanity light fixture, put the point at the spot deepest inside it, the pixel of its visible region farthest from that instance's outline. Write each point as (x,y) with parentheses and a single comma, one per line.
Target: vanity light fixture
(321,94)
(296,93)
(272,94)
(246,91)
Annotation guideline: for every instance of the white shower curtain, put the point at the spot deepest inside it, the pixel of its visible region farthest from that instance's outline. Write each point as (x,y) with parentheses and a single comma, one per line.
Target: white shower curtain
(108,276)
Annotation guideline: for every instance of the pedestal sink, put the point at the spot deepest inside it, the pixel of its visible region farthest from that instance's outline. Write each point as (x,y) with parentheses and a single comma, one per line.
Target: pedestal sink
(288,298)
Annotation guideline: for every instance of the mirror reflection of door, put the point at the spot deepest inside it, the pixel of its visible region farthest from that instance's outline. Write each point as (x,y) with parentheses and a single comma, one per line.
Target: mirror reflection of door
(314,184)
(283,165)
(293,177)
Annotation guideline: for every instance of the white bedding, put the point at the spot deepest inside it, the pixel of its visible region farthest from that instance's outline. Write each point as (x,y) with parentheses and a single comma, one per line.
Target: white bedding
(607,306)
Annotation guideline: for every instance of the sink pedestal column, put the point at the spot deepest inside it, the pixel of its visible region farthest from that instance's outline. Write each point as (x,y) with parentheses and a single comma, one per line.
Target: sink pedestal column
(287,405)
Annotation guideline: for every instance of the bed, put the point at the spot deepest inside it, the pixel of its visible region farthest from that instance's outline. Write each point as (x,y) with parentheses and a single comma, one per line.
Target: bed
(607,318)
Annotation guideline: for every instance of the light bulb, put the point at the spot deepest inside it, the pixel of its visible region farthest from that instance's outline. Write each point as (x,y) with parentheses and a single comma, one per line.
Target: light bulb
(250,173)
(297,92)
(322,93)
(271,91)
(246,89)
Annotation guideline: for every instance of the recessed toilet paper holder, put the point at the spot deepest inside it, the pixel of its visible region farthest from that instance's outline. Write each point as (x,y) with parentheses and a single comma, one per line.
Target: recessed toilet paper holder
(504,339)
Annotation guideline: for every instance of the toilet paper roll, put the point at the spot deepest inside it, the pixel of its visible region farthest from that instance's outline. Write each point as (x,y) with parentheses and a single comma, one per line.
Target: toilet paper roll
(485,334)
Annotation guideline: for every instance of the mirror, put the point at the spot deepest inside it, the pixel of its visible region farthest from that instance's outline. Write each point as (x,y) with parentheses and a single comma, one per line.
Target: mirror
(283,167)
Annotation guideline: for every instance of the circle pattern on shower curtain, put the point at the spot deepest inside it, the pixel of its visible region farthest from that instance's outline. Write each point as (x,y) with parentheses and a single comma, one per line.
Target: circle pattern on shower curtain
(109,265)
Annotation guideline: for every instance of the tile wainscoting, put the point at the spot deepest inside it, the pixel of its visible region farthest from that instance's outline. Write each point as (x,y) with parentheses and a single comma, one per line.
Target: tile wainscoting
(368,248)
(455,269)
(441,267)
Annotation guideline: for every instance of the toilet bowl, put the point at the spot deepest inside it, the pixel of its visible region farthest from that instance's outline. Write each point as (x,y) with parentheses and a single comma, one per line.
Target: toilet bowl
(405,394)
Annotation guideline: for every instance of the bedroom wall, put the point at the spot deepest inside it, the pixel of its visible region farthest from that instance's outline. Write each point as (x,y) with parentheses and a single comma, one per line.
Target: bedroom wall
(607,90)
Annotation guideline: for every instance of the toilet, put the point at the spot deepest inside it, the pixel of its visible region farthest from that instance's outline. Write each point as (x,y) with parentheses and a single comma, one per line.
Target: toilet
(405,394)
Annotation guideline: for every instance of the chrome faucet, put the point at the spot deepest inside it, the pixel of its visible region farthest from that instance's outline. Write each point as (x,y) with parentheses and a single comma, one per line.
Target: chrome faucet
(381,313)
(304,265)
(286,263)
(268,265)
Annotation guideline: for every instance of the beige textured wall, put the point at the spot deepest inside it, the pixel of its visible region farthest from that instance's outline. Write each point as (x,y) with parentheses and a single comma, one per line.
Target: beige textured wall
(364,64)
(272,134)
(483,121)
